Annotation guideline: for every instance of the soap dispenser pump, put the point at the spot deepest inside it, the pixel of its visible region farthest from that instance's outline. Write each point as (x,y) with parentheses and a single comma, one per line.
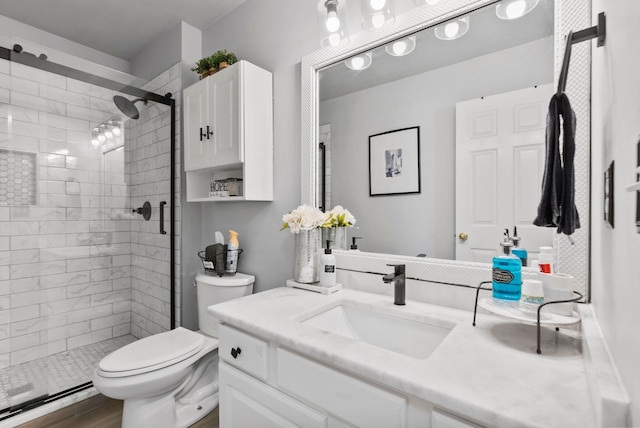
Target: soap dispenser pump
(507,273)
(517,249)
(354,246)
(327,267)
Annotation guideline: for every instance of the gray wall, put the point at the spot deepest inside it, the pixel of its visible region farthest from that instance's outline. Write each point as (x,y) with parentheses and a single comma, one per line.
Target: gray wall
(158,56)
(425,222)
(274,38)
(614,251)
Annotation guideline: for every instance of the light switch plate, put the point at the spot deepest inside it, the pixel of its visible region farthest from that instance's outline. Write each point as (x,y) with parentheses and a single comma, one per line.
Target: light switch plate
(608,195)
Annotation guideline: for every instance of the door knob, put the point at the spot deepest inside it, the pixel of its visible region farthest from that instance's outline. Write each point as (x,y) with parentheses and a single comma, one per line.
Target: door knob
(463,236)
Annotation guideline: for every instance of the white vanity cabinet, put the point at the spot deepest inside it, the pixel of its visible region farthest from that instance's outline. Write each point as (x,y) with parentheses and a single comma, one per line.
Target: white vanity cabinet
(228,133)
(263,384)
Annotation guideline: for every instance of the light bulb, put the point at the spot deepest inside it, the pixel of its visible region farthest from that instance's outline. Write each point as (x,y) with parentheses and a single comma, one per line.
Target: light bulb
(377,20)
(399,47)
(116,130)
(451,29)
(108,131)
(516,9)
(377,4)
(359,62)
(333,22)
(334,39)
(95,142)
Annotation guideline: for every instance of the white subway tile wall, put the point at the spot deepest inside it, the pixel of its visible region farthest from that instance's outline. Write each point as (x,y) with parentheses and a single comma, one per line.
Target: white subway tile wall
(149,171)
(77,267)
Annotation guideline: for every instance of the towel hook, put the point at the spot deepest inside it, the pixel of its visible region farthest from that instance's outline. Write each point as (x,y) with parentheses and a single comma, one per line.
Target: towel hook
(599,31)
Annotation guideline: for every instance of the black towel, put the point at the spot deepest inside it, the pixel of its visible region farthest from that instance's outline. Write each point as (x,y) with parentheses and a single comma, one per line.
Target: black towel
(557,203)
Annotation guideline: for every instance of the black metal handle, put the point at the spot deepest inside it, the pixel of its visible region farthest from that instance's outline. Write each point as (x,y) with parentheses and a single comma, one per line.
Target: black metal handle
(144,210)
(162,204)
(397,268)
(235,352)
(206,135)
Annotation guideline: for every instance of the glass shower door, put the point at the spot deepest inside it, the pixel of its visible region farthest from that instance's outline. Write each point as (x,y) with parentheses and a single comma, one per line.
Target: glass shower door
(81,273)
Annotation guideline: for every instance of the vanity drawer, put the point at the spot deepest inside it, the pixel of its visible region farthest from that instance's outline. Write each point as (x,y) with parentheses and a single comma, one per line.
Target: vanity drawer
(243,351)
(350,399)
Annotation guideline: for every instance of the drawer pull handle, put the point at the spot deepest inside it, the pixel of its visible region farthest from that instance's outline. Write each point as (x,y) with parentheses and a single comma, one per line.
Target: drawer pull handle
(235,352)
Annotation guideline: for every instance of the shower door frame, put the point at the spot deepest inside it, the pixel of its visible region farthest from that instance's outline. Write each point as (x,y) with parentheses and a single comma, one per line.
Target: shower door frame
(18,56)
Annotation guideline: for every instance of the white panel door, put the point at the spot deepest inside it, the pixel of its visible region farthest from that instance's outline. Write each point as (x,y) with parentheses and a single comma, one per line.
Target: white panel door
(224,99)
(500,150)
(196,114)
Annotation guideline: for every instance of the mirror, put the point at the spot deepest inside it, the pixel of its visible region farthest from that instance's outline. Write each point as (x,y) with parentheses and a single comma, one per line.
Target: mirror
(424,223)
(421,89)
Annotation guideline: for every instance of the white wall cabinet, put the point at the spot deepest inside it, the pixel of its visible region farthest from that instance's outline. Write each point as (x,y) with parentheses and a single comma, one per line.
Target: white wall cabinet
(228,133)
(263,384)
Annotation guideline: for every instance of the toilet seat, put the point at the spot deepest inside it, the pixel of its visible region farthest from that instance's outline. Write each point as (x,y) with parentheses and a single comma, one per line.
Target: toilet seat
(152,353)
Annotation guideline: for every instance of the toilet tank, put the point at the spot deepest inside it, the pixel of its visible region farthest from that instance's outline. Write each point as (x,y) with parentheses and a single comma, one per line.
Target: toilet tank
(213,289)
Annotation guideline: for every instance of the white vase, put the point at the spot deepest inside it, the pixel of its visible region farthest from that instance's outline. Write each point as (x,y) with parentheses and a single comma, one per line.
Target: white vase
(338,238)
(307,251)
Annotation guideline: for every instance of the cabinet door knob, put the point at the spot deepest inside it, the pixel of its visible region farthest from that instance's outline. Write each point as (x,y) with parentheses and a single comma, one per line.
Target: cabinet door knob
(235,352)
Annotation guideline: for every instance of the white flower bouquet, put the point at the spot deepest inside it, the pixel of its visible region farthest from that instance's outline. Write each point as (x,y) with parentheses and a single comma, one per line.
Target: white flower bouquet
(304,217)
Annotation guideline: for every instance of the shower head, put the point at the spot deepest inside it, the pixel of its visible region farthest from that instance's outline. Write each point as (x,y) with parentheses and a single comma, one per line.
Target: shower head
(128,107)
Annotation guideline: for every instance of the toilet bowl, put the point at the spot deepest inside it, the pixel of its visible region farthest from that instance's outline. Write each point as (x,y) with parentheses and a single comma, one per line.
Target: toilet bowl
(170,379)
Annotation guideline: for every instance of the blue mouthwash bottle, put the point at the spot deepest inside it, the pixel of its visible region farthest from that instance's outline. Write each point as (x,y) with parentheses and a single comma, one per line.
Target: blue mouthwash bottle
(517,250)
(507,273)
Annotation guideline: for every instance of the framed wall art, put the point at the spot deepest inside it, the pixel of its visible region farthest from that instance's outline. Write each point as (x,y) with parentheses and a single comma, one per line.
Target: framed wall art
(394,162)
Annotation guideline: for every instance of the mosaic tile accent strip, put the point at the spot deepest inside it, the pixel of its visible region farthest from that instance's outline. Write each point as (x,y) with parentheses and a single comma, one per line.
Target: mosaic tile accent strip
(55,373)
(18,178)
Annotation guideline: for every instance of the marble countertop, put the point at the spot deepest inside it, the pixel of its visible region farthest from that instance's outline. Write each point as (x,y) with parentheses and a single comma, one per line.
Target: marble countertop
(489,373)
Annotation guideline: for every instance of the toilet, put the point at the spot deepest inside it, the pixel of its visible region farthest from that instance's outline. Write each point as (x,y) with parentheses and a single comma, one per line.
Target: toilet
(170,379)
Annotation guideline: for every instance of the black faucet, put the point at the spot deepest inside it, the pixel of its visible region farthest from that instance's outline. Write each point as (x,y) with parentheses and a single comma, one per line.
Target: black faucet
(397,278)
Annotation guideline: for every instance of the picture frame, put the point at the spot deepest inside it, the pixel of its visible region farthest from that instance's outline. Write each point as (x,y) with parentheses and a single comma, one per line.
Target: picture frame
(394,162)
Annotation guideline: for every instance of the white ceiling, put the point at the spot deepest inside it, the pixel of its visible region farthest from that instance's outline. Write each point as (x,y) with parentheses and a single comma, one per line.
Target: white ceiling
(121,28)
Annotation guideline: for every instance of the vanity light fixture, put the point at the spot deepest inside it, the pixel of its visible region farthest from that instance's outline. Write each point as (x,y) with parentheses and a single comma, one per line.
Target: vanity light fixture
(332,17)
(453,29)
(108,130)
(514,9)
(359,62)
(95,142)
(117,126)
(101,137)
(401,47)
(377,13)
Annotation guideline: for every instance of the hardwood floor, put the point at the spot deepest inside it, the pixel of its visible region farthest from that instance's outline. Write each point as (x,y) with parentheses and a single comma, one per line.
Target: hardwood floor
(99,412)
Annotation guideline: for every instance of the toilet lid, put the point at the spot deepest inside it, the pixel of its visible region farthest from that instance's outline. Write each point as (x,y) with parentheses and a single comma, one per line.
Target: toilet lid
(152,353)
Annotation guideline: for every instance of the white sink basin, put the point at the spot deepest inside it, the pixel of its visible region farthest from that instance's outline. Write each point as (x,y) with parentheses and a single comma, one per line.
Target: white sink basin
(406,336)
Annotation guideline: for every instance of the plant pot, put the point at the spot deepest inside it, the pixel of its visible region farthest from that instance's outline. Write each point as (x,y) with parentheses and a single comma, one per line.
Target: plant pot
(306,256)
(337,236)
(222,65)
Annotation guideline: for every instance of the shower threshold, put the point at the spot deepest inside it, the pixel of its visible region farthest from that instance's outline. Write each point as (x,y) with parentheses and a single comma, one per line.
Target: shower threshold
(43,377)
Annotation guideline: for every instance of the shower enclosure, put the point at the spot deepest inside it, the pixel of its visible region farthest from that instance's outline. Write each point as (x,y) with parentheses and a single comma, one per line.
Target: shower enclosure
(87,222)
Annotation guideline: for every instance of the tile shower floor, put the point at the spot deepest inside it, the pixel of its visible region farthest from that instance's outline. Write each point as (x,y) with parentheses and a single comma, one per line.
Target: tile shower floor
(55,373)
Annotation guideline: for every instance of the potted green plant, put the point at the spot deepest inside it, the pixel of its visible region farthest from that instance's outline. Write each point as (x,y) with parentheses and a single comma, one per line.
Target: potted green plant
(222,59)
(204,67)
